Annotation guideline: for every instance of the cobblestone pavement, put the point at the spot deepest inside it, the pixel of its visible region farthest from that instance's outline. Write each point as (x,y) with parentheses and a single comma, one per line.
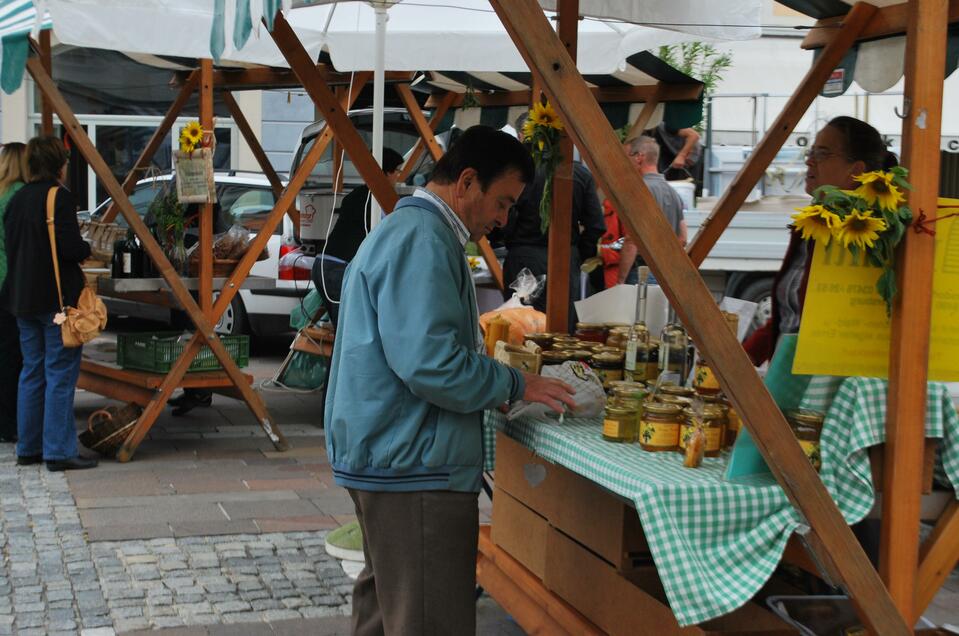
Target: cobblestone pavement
(53,581)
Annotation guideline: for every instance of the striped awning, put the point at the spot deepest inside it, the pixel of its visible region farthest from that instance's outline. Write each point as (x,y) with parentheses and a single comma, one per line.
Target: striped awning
(18,18)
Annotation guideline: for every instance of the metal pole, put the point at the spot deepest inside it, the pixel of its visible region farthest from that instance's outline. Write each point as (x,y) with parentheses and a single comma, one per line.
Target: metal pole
(379,80)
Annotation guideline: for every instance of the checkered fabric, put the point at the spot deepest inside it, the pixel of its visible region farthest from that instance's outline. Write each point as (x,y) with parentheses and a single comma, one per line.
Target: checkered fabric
(716,543)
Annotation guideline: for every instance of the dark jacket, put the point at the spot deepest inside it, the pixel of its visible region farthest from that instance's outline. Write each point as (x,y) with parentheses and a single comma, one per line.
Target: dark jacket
(762,343)
(30,287)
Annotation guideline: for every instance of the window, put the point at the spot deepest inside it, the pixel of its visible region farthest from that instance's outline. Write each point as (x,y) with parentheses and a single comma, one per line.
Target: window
(247,205)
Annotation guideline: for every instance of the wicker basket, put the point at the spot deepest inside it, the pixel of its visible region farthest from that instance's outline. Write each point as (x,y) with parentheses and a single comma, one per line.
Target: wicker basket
(108,429)
(222,267)
(102,236)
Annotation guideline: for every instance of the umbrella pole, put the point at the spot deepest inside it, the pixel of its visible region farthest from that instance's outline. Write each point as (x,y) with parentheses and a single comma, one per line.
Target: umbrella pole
(379,79)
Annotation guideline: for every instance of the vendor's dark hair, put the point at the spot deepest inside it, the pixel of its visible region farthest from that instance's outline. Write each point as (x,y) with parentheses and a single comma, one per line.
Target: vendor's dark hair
(392,160)
(45,157)
(492,153)
(864,143)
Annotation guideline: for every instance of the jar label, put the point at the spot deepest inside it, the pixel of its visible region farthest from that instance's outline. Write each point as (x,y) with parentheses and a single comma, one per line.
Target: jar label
(127,263)
(614,428)
(704,378)
(812,450)
(714,436)
(660,434)
(734,422)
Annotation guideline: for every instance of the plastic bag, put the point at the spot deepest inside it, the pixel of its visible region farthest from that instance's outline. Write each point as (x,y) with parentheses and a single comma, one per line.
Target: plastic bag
(232,244)
(305,371)
(304,313)
(526,289)
(589,396)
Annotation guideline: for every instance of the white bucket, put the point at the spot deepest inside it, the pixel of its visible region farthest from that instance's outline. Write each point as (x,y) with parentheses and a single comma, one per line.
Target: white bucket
(687,192)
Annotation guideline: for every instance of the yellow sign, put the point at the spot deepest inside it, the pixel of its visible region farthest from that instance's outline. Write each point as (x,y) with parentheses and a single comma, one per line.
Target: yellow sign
(844,329)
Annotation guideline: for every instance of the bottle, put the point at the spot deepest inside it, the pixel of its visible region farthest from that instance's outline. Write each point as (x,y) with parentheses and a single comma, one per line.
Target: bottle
(632,341)
(122,264)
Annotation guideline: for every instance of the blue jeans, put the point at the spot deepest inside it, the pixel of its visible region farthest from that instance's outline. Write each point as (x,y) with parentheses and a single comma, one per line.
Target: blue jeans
(45,422)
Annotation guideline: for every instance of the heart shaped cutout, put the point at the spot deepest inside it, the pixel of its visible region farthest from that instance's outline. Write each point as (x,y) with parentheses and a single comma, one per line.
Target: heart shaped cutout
(534,474)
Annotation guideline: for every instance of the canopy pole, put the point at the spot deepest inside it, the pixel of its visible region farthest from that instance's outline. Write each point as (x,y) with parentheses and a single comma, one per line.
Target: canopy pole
(205,291)
(46,109)
(379,80)
(912,310)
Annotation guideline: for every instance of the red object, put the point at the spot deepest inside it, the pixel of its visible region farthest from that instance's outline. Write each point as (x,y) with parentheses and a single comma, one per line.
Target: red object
(614,232)
(294,264)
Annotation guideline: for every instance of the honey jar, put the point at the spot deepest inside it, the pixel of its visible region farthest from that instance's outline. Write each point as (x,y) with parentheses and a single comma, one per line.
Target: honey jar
(659,427)
(619,424)
(714,426)
(704,380)
(733,423)
(555,357)
(592,332)
(806,417)
(652,361)
(809,441)
(580,355)
(543,340)
(626,389)
(608,366)
(679,391)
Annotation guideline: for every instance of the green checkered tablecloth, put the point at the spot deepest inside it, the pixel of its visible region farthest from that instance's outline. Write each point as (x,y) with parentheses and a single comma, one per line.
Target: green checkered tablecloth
(715,543)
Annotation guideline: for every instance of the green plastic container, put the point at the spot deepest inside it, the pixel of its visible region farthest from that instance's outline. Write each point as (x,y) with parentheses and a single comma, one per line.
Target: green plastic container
(158,351)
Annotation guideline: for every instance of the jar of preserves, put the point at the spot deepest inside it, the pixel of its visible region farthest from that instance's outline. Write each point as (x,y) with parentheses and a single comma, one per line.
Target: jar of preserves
(626,403)
(809,441)
(806,417)
(580,355)
(592,332)
(733,423)
(713,423)
(555,357)
(619,424)
(608,366)
(675,389)
(673,350)
(616,326)
(652,361)
(629,390)
(607,349)
(679,400)
(543,340)
(704,380)
(659,427)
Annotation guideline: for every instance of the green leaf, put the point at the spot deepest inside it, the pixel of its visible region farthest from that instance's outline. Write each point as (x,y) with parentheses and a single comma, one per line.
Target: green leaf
(886,286)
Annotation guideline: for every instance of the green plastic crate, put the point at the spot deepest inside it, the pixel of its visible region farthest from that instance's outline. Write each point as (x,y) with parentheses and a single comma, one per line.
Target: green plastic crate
(158,351)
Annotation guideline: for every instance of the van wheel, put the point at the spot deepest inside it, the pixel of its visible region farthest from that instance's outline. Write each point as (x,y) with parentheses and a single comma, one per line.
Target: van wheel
(233,320)
(759,291)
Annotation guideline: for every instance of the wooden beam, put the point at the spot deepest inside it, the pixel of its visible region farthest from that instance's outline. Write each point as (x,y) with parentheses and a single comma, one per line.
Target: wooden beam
(603,94)
(261,159)
(159,136)
(338,152)
(438,114)
(763,154)
(558,248)
(46,58)
(891,20)
(204,328)
(205,288)
(582,117)
(642,121)
(938,558)
(912,309)
(269,78)
(336,118)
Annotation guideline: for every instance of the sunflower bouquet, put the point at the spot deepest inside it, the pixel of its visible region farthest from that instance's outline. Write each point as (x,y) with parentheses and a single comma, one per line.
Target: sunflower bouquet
(542,132)
(191,136)
(871,219)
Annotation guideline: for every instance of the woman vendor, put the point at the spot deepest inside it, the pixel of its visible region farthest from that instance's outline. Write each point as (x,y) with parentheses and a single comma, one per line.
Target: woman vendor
(845,148)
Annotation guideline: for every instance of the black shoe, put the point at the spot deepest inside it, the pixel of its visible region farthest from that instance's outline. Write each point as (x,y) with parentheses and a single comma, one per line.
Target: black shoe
(29,460)
(77,463)
(8,439)
(189,401)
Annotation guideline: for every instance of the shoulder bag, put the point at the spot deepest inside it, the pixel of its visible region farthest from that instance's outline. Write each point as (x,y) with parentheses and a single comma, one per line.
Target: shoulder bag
(84,322)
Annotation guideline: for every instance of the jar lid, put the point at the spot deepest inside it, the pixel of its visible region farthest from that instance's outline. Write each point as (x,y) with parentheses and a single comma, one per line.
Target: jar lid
(616,325)
(619,411)
(710,412)
(630,403)
(538,336)
(660,408)
(556,356)
(579,354)
(672,389)
(627,384)
(806,417)
(608,358)
(678,400)
(607,349)
(590,326)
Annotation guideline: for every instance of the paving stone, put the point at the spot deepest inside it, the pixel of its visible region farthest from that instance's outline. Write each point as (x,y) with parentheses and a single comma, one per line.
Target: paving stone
(98,631)
(280,614)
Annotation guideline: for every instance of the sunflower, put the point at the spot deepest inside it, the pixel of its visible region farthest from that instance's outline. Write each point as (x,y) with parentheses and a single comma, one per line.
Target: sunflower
(186,147)
(192,132)
(859,229)
(816,222)
(544,115)
(878,187)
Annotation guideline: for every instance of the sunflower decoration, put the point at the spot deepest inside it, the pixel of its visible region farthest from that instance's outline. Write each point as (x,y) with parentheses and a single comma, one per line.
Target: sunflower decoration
(191,136)
(542,132)
(871,220)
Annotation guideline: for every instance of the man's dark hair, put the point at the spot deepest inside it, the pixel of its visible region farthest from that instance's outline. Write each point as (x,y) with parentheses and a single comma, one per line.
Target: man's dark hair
(45,157)
(864,143)
(391,160)
(492,153)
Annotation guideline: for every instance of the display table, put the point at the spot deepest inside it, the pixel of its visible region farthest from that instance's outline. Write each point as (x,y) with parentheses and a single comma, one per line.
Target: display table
(715,543)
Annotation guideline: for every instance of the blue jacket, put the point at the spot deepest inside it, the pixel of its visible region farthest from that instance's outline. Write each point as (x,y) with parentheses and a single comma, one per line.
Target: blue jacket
(407,387)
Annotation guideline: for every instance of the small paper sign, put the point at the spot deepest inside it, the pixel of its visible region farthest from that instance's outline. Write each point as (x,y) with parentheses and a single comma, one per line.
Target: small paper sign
(835,85)
(194,177)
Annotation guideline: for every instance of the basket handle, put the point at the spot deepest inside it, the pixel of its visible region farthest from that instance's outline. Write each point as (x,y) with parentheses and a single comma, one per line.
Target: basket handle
(105,412)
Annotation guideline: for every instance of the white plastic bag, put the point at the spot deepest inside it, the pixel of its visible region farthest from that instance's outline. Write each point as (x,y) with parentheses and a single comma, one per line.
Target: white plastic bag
(526,288)
(589,396)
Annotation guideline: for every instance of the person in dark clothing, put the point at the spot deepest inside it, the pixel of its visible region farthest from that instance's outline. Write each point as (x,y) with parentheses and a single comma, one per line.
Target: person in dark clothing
(526,244)
(680,153)
(351,227)
(45,422)
(13,173)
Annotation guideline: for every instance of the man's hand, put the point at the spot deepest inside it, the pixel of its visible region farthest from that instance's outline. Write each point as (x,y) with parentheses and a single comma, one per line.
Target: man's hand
(679,162)
(549,391)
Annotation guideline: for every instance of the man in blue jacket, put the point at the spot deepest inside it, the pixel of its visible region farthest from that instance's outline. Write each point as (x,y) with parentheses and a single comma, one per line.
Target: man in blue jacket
(408,386)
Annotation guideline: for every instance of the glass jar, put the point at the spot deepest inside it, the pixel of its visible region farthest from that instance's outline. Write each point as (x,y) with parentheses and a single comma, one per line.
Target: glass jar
(714,426)
(608,366)
(592,332)
(659,427)
(551,358)
(733,423)
(652,361)
(809,441)
(629,390)
(806,417)
(564,340)
(607,349)
(679,391)
(619,424)
(704,380)
(678,400)
(579,355)
(673,350)
(641,372)
(543,340)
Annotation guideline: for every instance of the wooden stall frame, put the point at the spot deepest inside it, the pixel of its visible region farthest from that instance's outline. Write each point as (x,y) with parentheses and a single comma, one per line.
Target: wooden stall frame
(441,108)
(543,51)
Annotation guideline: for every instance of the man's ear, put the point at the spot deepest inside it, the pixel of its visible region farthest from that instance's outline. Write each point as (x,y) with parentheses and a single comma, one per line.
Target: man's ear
(467,179)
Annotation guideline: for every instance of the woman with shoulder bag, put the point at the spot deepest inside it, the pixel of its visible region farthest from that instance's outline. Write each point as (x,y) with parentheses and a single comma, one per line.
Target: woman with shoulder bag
(13,172)
(45,421)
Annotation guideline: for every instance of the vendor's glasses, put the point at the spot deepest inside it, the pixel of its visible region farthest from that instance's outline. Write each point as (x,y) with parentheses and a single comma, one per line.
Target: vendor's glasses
(817,155)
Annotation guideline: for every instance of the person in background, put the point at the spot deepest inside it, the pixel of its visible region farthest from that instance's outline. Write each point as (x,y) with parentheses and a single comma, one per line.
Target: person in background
(13,173)
(680,152)
(844,149)
(48,381)
(615,230)
(408,387)
(527,245)
(352,226)
(644,151)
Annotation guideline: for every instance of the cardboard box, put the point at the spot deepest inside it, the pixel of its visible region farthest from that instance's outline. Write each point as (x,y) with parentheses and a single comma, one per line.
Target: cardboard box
(519,531)
(583,510)
(634,603)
